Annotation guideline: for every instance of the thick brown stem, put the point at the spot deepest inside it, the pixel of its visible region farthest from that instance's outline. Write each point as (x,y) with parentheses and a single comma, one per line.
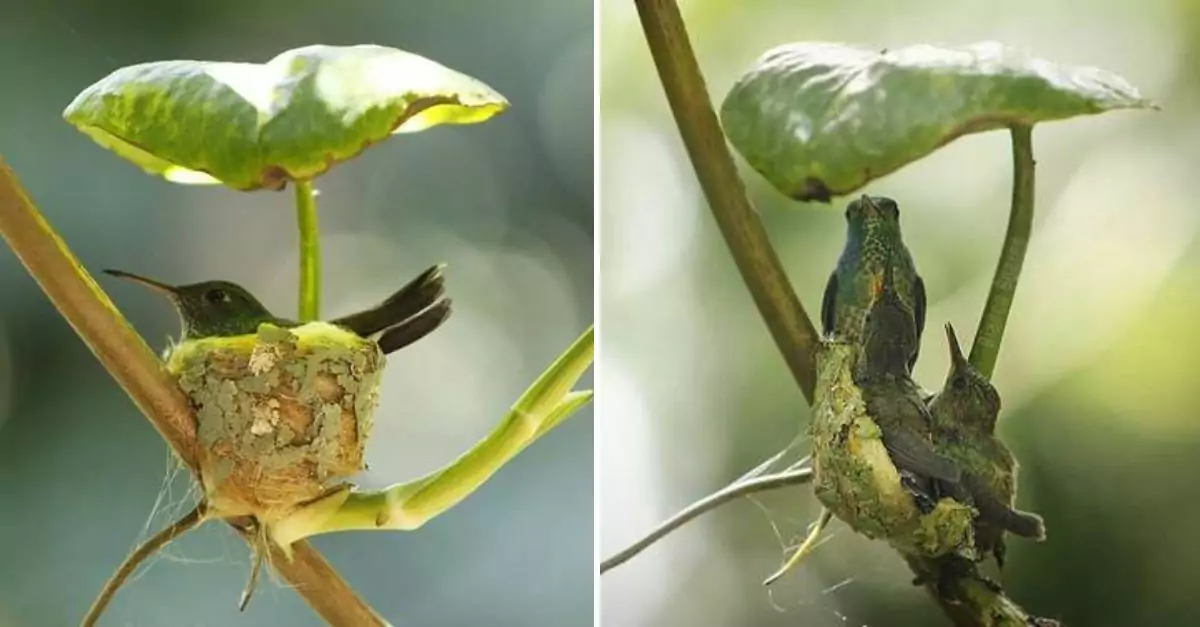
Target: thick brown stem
(740,225)
(968,598)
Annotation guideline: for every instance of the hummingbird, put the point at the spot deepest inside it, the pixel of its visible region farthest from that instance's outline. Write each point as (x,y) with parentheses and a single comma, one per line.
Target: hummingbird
(873,244)
(225,309)
(964,416)
(894,401)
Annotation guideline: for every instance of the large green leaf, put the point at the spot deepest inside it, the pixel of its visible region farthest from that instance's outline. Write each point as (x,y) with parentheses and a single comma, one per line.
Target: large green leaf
(250,125)
(823,119)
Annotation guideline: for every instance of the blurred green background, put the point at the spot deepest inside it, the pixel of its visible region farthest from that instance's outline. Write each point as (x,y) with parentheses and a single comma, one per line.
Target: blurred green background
(1097,372)
(508,204)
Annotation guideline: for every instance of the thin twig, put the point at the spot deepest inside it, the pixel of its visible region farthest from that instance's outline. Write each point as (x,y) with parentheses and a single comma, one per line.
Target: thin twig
(136,369)
(1004,284)
(310,251)
(189,521)
(255,569)
(805,548)
(706,504)
(737,219)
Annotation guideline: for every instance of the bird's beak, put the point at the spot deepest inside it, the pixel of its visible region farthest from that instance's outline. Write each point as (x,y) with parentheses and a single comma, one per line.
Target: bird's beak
(162,288)
(957,359)
(869,205)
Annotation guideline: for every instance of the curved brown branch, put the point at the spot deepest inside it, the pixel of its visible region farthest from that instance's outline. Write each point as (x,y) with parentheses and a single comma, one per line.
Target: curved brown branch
(740,225)
(141,374)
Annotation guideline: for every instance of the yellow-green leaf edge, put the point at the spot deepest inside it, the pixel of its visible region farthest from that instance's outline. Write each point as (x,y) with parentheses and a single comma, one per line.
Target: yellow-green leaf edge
(250,126)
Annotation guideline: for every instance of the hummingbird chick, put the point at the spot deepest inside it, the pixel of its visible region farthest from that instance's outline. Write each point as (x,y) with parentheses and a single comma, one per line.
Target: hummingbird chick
(964,417)
(224,309)
(893,399)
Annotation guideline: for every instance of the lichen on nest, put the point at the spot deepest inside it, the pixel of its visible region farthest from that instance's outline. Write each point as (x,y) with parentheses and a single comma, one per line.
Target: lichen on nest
(283,415)
(854,476)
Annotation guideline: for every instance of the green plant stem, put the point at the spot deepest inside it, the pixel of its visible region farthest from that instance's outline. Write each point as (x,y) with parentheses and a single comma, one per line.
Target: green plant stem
(986,347)
(141,374)
(406,506)
(737,219)
(310,251)
(707,504)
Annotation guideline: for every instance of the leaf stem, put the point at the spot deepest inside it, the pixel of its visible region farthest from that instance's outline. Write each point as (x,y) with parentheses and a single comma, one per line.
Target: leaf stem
(737,219)
(707,504)
(141,374)
(310,251)
(986,347)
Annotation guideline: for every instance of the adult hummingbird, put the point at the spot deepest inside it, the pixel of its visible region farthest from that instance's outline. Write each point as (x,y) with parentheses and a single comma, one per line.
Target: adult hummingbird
(224,309)
(894,401)
(873,245)
(964,416)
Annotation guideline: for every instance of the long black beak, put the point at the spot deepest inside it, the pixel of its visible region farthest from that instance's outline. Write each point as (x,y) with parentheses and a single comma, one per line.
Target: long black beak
(957,358)
(166,290)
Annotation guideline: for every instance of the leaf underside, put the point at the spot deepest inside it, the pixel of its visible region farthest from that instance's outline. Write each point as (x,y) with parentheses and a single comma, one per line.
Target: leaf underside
(823,119)
(252,126)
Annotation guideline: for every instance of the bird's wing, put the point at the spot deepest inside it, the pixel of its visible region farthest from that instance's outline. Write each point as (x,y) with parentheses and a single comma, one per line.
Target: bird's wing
(828,304)
(909,451)
(410,300)
(919,304)
(919,318)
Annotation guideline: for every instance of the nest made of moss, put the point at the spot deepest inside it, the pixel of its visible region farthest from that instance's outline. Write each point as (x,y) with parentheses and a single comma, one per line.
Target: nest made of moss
(854,476)
(283,415)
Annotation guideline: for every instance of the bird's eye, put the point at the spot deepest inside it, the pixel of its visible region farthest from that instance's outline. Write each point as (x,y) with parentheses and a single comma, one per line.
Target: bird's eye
(893,209)
(216,296)
(958,383)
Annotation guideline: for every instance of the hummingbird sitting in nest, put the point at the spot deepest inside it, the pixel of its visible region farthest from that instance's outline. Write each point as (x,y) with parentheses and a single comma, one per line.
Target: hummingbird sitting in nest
(283,408)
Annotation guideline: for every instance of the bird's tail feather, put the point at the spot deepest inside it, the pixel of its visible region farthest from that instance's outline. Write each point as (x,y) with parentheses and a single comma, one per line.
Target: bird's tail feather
(415,328)
(419,294)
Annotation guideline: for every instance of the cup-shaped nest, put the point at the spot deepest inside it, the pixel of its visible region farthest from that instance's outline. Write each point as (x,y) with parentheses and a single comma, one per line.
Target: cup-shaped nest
(854,476)
(283,415)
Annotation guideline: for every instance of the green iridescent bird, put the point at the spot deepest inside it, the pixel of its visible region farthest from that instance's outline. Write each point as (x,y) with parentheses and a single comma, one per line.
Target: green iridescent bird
(873,244)
(224,309)
(964,416)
